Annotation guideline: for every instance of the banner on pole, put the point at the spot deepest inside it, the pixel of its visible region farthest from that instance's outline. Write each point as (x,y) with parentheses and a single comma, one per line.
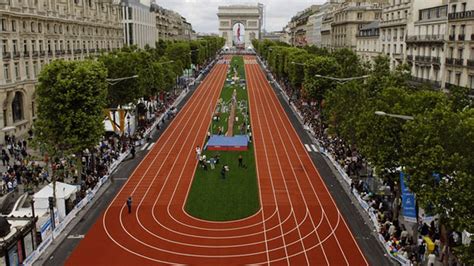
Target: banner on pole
(408,201)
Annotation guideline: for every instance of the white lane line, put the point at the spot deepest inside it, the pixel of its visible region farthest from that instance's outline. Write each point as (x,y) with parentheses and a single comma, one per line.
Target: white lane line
(314,148)
(307,147)
(151,145)
(144,147)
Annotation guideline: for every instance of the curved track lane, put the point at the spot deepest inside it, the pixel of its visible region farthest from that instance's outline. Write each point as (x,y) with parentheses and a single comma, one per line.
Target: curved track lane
(298,222)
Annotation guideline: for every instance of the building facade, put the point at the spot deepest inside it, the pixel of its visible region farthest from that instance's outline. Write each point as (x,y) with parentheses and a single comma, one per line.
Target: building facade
(349,17)
(139,24)
(426,44)
(34,32)
(460,44)
(368,41)
(393,27)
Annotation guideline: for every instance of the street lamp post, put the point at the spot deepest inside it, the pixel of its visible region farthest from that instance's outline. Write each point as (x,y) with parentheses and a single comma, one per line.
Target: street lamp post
(117,80)
(32,203)
(341,80)
(404,117)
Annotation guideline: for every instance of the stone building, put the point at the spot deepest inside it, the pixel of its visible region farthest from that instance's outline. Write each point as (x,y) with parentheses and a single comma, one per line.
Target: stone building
(171,25)
(393,29)
(368,42)
(34,32)
(426,43)
(139,24)
(349,17)
(460,44)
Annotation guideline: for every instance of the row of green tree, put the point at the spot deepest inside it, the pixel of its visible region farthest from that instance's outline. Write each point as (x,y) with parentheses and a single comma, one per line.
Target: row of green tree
(72,95)
(435,149)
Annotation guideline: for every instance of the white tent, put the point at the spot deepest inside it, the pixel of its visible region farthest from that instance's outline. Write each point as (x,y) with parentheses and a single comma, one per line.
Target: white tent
(63,193)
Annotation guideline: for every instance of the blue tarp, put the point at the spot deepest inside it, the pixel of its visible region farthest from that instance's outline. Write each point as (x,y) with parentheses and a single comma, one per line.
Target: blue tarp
(223,141)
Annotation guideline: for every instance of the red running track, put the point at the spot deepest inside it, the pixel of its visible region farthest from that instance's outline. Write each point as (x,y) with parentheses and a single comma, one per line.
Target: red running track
(298,223)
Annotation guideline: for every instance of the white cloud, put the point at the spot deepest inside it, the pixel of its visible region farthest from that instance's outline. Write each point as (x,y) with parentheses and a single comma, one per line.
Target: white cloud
(202,13)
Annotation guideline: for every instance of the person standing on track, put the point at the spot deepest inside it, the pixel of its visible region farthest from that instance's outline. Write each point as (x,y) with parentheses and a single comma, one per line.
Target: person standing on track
(198,152)
(129,204)
(240,161)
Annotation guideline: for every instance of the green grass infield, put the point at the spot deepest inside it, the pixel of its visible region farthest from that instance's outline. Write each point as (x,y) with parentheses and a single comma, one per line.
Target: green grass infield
(235,197)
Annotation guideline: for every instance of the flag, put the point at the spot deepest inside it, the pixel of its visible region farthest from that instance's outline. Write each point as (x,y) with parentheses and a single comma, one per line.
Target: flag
(238,32)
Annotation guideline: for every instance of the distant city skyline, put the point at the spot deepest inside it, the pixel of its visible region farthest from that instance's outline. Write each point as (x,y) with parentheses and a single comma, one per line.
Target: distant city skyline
(202,13)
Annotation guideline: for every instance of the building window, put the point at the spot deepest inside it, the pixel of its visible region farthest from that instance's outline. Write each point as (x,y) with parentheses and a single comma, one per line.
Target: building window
(6,72)
(15,46)
(17,71)
(4,24)
(17,107)
(35,68)
(27,70)
(4,46)
(448,78)
(471,82)
(460,51)
(13,25)
(458,79)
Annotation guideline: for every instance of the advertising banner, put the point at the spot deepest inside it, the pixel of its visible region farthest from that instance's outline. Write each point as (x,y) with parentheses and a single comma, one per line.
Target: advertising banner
(408,201)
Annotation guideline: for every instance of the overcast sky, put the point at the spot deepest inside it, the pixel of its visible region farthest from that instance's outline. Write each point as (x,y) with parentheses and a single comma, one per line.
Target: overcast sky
(202,13)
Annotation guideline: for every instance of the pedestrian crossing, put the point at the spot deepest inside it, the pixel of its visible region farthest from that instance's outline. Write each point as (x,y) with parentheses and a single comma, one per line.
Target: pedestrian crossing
(311,148)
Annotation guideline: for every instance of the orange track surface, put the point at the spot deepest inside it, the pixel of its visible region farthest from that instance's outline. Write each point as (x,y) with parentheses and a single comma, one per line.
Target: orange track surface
(298,223)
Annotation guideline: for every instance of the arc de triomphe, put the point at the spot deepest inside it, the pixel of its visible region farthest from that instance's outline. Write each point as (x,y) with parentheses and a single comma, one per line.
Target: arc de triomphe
(249,16)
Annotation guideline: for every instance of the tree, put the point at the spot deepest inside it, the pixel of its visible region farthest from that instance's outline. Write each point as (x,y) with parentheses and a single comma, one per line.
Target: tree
(180,52)
(349,63)
(460,97)
(315,87)
(343,106)
(439,158)
(71,96)
(295,67)
(151,79)
(120,65)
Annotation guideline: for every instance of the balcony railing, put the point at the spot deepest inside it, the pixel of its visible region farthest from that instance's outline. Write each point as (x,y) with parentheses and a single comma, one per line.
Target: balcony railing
(450,61)
(16,54)
(461,37)
(470,63)
(421,58)
(26,53)
(451,37)
(35,53)
(425,38)
(419,80)
(50,52)
(77,51)
(461,15)
(435,60)
(459,62)
(409,57)
(42,53)
(6,55)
